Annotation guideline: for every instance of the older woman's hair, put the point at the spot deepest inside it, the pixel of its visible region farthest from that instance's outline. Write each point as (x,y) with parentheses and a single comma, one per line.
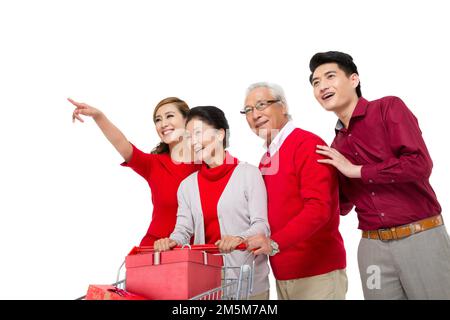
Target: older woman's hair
(212,116)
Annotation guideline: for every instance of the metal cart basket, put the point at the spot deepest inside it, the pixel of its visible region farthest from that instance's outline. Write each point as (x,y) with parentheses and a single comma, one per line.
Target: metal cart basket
(236,284)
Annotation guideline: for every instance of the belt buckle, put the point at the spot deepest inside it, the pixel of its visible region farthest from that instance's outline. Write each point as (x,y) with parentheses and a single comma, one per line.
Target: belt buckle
(412,228)
(379,231)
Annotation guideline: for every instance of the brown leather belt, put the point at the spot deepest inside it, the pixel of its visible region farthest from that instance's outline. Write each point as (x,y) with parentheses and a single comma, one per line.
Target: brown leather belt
(404,231)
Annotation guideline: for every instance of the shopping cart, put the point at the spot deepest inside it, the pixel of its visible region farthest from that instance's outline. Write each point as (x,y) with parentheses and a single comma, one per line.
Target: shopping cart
(237,281)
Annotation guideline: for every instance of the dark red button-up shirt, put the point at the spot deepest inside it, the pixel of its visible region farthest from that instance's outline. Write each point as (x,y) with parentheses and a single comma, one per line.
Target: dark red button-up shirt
(384,137)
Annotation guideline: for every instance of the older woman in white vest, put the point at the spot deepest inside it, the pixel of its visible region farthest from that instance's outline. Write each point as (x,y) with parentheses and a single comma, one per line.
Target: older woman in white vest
(225,202)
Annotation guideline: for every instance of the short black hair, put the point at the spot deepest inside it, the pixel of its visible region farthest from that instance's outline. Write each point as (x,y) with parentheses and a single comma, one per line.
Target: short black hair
(343,60)
(212,116)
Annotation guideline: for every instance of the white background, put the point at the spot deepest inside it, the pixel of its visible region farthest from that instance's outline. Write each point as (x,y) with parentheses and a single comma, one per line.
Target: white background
(70,213)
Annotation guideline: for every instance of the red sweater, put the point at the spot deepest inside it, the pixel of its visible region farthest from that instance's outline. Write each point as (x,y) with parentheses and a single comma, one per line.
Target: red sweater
(211,183)
(303,209)
(163,176)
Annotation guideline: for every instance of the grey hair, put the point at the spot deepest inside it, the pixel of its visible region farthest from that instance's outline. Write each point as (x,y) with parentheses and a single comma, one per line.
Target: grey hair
(275,89)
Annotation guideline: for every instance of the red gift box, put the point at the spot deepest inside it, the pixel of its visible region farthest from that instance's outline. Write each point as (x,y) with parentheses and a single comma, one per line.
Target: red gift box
(106,292)
(176,274)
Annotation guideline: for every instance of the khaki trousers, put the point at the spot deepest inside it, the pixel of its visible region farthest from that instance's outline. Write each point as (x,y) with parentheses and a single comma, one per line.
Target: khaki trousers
(260,296)
(328,286)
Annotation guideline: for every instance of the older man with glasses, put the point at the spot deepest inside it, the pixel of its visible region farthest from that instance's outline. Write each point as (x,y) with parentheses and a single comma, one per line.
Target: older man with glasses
(306,250)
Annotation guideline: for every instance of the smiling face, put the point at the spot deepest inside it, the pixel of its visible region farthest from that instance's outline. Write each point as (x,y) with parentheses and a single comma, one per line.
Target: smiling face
(206,141)
(266,121)
(169,123)
(333,89)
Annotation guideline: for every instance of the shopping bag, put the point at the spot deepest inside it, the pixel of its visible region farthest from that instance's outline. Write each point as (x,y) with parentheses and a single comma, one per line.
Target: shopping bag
(108,292)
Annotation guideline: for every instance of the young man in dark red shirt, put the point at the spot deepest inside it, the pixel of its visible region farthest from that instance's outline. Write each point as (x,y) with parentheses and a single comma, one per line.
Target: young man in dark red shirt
(384,170)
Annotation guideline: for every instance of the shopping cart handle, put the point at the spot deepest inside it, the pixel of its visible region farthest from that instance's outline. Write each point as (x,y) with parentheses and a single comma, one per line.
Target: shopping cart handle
(241,247)
(210,248)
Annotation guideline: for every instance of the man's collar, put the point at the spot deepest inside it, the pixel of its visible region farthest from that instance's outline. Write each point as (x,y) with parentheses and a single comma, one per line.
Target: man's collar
(280,137)
(339,125)
(361,108)
(359,111)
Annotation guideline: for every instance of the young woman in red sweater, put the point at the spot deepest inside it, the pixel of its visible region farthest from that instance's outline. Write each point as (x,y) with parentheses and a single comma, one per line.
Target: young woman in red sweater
(163,169)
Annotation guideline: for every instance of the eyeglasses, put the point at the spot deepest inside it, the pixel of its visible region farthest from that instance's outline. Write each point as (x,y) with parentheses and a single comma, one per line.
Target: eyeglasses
(260,106)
